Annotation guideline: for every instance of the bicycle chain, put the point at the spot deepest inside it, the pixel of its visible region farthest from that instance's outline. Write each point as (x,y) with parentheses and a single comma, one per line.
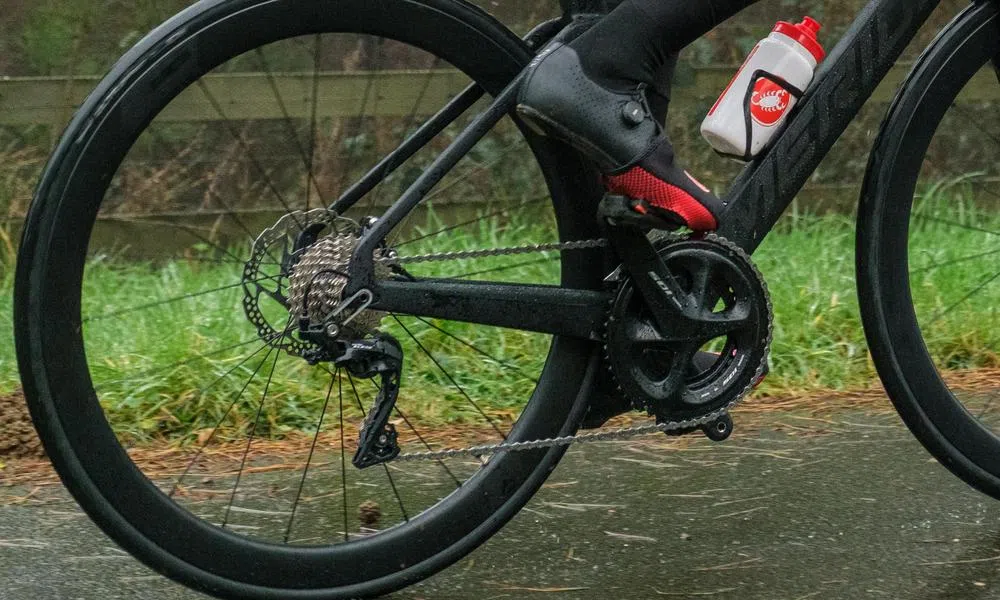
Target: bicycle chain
(511,251)
(617,434)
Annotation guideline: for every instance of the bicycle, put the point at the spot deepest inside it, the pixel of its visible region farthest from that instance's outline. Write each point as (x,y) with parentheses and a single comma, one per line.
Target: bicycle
(325,289)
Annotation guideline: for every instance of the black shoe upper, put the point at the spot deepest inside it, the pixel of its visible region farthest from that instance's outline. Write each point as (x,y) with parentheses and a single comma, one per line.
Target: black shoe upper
(615,129)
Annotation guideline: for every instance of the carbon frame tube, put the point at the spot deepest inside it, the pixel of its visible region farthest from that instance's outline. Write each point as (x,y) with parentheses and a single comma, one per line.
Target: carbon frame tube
(424,134)
(543,309)
(844,82)
(431,128)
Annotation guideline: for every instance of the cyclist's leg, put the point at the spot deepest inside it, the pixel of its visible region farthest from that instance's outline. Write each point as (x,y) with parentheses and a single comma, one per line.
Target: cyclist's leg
(595,94)
(639,40)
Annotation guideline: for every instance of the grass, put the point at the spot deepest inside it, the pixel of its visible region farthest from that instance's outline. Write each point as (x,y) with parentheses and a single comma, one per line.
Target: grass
(808,263)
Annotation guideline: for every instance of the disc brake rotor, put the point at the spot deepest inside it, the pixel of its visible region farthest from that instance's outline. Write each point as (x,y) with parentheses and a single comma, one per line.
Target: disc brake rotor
(287,280)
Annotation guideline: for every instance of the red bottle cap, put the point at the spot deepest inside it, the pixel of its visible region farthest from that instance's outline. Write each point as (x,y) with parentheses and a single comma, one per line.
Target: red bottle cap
(805,33)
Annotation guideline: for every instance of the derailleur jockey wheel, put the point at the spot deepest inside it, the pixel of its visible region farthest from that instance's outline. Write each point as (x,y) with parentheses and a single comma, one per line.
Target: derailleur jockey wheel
(666,375)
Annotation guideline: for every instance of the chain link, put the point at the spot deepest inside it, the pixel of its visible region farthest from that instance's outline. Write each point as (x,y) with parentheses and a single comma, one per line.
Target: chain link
(601,436)
(511,251)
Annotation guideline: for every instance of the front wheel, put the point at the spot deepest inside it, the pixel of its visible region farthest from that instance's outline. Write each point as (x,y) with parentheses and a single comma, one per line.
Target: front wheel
(210,450)
(928,232)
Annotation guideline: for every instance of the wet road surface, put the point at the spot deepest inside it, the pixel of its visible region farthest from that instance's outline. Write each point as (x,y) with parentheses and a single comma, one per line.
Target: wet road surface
(860,511)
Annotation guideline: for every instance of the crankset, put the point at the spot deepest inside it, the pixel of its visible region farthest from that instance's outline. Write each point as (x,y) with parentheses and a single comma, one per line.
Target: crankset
(680,300)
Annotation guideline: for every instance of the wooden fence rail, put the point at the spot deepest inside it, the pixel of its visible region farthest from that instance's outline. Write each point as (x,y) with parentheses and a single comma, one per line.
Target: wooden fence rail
(51,100)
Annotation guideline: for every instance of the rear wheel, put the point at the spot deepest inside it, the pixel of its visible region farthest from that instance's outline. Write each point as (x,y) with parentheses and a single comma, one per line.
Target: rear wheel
(212,454)
(928,238)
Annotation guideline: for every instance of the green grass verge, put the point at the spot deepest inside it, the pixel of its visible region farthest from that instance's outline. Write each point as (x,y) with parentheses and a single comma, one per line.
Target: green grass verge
(808,263)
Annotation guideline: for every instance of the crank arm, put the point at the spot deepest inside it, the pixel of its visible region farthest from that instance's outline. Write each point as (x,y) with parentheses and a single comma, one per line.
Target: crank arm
(657,285)
(677,316)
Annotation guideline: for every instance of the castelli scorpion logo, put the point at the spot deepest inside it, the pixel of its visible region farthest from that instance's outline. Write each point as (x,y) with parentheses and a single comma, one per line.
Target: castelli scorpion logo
(769,102)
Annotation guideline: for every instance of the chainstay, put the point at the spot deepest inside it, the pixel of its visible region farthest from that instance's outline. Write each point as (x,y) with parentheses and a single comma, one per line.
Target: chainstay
(616,434)
(511,251)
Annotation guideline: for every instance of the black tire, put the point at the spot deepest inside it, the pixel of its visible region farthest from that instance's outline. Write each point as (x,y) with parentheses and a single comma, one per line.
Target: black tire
(932,411)
(50,345)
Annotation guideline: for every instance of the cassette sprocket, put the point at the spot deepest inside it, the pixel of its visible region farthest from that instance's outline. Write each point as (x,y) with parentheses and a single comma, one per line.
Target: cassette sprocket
(297,271)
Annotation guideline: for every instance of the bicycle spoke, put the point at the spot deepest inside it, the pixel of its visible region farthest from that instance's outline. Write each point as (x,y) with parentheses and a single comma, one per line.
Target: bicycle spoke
(229,409)
(305,471)
(975,121)
(363,113)
(392,483)
(423,441)
(474,170)
(343,454)
(158,370)
(427,446)
(965,298)
(475,348)
(955,261)
(449,377)
(987,407)
(409,124)
(289,124)
(141,307)
(956,224)
(230,212)
(238,138)
(218,261)
(312,125)
(498,213)
(253,433)
(193,232)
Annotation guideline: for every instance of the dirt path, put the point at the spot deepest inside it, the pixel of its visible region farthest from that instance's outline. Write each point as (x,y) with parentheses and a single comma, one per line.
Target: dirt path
(23,462)
(17,435)
(855,511)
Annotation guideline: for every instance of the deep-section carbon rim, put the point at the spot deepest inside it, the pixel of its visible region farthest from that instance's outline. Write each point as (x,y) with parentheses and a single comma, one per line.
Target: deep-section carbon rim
(893,258)
(73,426)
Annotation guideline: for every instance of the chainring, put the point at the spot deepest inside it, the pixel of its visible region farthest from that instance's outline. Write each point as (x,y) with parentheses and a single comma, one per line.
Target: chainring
(662,377)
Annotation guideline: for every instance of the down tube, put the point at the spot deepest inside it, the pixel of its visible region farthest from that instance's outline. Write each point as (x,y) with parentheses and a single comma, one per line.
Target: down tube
(844,82)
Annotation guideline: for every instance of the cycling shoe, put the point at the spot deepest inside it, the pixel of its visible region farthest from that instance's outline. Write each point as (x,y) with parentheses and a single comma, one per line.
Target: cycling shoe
(617,130)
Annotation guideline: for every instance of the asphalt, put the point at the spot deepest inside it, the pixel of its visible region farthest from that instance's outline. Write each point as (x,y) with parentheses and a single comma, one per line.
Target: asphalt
(856,511)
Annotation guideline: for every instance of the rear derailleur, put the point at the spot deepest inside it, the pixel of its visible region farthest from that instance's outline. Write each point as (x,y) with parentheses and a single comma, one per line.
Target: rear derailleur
(379,356)
(344,333)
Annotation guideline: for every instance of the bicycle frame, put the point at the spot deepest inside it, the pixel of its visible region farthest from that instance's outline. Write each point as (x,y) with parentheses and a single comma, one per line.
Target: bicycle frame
(844,82)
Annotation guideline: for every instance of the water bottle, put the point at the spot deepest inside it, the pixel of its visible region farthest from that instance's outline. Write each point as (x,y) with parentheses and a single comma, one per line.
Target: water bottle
(760,97)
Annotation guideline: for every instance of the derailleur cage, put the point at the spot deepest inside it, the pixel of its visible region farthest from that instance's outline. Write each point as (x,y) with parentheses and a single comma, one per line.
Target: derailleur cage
(379,356)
